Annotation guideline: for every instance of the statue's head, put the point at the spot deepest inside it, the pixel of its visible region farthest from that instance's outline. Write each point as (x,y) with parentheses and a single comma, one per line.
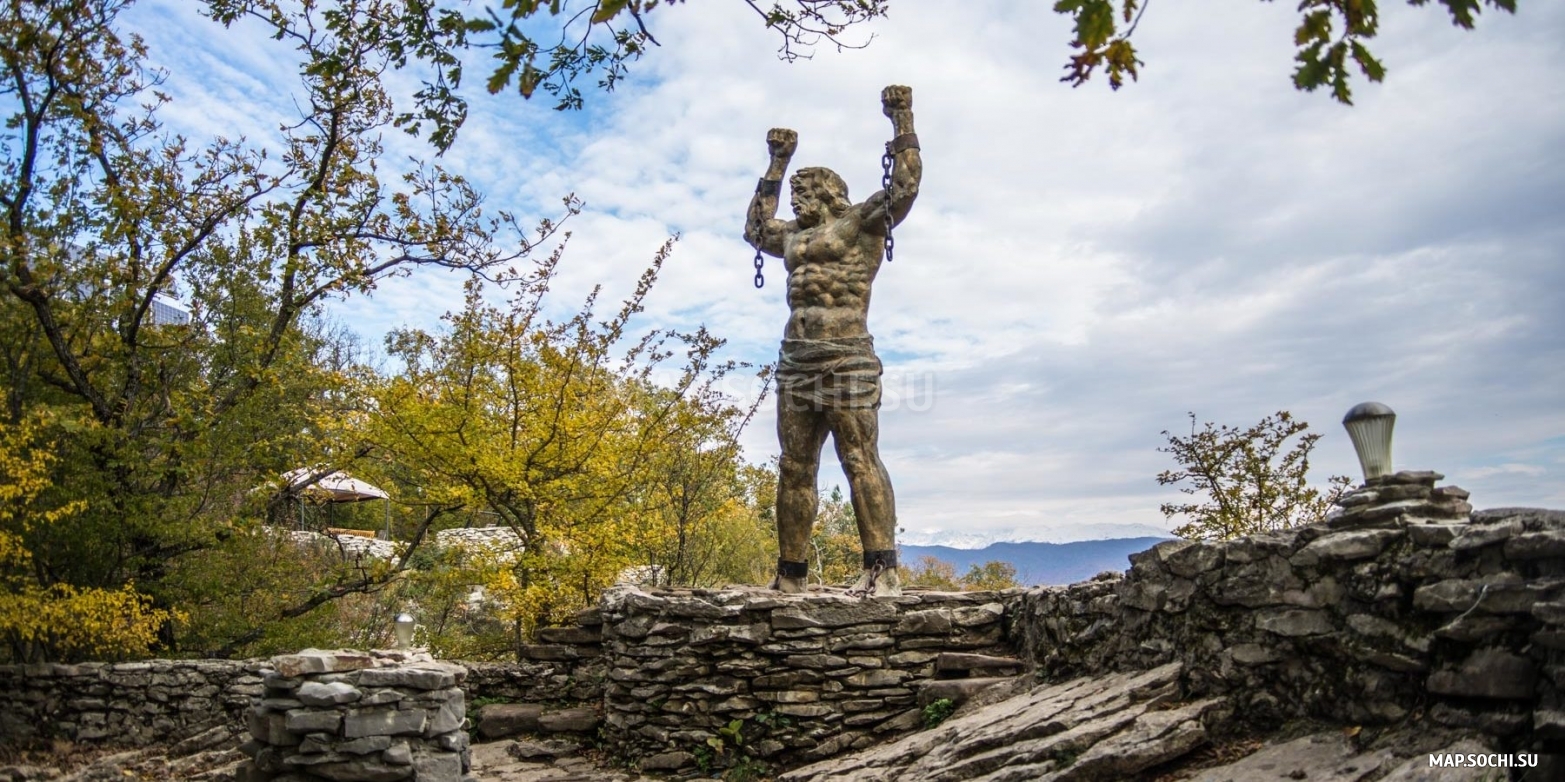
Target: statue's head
(816,194)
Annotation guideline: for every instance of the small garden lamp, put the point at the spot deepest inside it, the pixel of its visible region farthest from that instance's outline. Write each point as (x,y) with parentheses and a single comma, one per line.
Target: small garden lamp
(1369,425)
(404,627)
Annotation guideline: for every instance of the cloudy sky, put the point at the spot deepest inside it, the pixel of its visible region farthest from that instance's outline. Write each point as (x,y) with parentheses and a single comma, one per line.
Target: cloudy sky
(1082,267)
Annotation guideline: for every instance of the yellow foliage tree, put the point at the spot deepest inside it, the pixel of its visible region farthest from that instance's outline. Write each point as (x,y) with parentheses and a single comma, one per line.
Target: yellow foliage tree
(933,573)
(1247,481)
(834,541)
(568,433)
(937,574)
(53,621)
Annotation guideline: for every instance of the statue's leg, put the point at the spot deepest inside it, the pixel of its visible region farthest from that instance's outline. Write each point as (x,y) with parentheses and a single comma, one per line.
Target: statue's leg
(856,435)
(801,430)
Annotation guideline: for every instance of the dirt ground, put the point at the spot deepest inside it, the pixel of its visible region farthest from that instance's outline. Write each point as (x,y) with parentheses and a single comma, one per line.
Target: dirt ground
(501,761)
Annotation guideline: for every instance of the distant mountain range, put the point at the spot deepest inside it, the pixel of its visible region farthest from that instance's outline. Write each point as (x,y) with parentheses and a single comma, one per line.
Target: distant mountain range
(1044,564)
(1054,532)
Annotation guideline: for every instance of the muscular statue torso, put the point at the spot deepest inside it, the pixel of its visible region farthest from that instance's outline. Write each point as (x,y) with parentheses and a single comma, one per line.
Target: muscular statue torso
(830,269)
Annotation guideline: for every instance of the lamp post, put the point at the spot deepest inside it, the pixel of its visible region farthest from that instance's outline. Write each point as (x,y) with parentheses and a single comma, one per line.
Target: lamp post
(404,628)
(1369,425)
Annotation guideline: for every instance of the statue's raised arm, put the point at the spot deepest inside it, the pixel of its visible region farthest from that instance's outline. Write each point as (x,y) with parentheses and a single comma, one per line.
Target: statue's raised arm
(907,168)
(762,229)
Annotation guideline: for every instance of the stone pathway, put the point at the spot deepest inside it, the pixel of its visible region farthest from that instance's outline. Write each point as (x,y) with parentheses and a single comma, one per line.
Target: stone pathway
(502,762)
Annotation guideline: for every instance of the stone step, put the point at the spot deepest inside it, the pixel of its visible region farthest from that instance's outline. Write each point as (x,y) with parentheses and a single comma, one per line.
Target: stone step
(964,661)
(504,720)
(569,635)
(578,720)
(958,691)
(558,652)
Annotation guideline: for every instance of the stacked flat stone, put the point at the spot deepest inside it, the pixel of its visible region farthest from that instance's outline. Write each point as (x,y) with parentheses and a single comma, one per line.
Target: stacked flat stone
(1407,497)
(132,704)
(353,716)
(697,677)
(1402,604)
(501,539)
(351,546)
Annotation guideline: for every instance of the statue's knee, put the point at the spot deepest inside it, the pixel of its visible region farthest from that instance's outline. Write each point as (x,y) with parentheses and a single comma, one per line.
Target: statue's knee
(794,466)
(857,463)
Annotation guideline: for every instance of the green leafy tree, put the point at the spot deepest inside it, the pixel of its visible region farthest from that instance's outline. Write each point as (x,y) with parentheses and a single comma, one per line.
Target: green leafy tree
(552,46)
(42,621)
(165,428)
(709,531)
(164,431)
(532,44)
(989,576)
(1331,39)
(1245,481)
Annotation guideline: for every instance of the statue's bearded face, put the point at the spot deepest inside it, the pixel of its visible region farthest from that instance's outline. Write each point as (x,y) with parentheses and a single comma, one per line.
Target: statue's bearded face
(806,201)
(816,195)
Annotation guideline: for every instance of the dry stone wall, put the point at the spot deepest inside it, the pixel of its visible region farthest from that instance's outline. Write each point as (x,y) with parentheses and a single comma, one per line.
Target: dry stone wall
(555,690)
(708,678)
(1402,602)
(124,704)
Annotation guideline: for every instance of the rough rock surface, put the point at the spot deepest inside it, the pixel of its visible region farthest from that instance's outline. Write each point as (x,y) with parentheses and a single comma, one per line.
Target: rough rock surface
(515,761)
(1111,727)
(209,756)
(1331,757)
(1134,727)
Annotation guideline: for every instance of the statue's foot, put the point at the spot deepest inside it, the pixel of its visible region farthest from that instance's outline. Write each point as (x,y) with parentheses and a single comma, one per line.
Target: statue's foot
(789,585)
(888,583)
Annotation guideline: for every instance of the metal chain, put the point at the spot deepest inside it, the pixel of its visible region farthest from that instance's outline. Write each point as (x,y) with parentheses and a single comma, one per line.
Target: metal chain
(885,183)
(886,162)
(869,588)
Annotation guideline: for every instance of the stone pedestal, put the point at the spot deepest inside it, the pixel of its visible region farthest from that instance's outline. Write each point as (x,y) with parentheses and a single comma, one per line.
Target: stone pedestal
(744,677)
(1407,497)
(352,716)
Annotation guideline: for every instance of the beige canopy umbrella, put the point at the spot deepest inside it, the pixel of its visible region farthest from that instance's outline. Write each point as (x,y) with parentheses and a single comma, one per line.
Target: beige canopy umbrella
(336,486)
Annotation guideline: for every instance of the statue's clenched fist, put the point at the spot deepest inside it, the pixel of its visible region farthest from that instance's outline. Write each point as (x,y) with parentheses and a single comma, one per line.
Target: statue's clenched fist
(896,98)
(781,142)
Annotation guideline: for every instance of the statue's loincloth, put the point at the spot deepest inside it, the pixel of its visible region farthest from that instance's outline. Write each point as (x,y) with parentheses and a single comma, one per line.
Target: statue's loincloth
(829,374)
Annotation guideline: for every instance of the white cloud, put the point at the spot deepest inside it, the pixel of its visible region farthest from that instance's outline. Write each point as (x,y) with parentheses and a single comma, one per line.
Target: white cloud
(1083,267)
(1530,470)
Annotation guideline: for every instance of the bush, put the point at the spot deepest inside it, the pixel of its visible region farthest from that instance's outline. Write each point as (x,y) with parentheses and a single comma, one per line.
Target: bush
(937,712)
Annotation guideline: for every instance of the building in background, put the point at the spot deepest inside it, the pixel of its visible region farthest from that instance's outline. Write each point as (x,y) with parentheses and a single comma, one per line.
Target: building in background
(167,311)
